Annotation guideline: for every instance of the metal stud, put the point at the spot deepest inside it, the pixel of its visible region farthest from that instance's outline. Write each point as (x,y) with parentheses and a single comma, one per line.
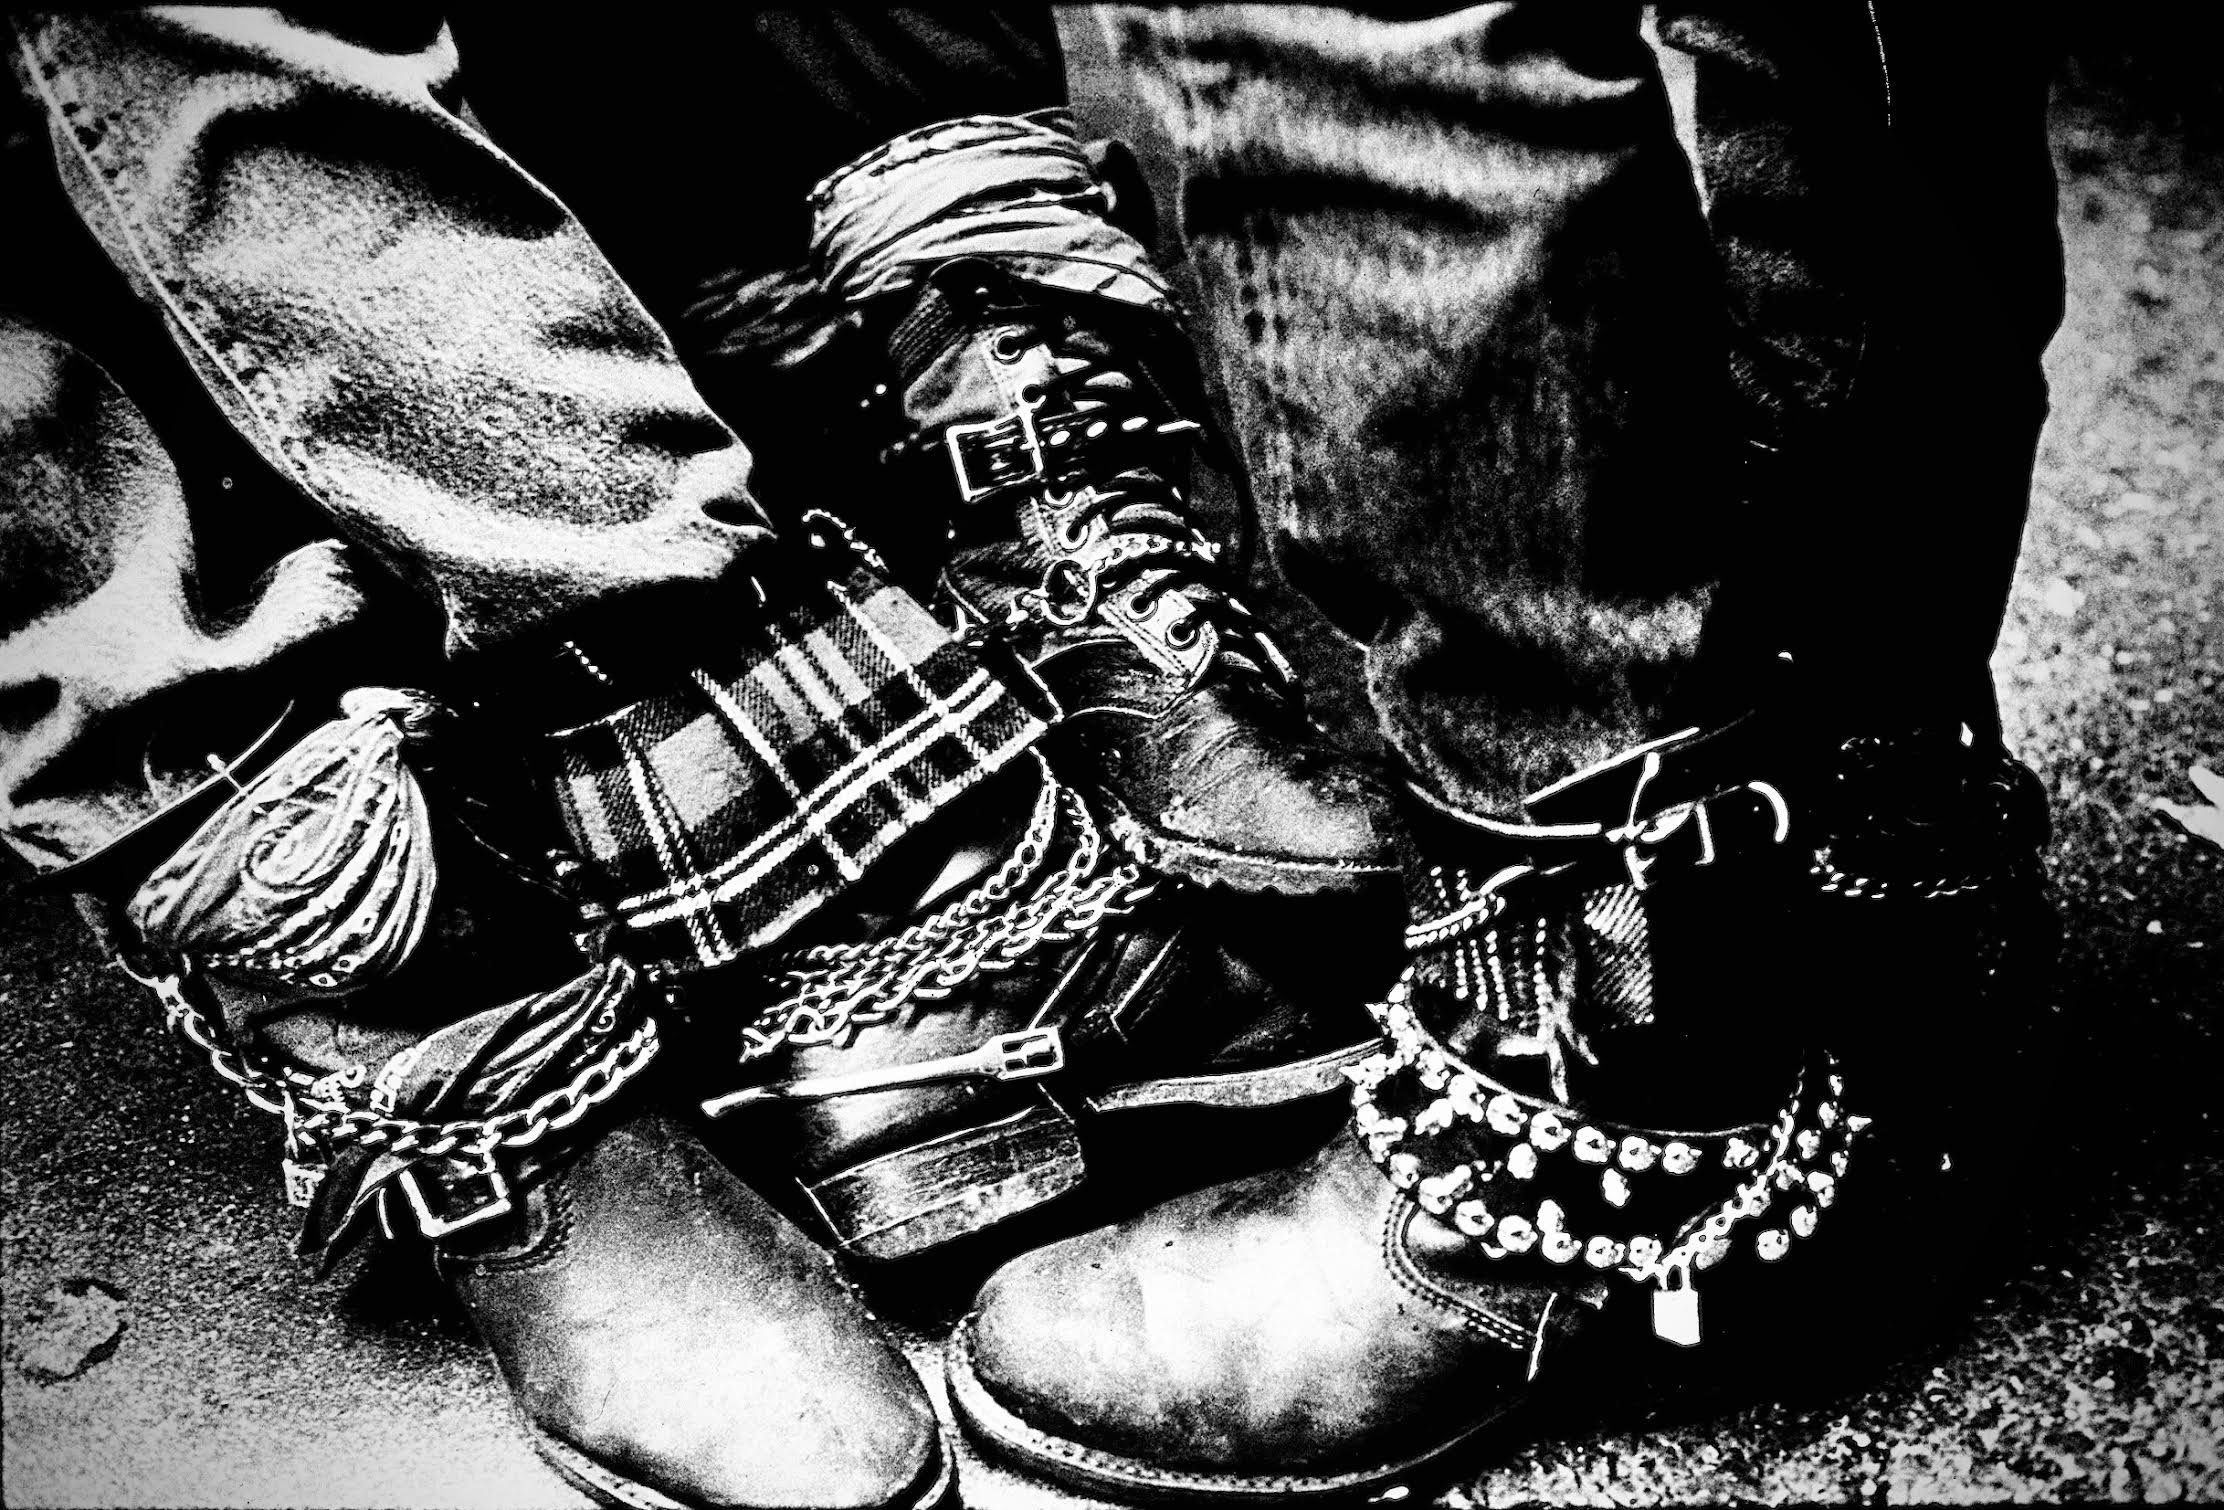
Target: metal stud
(1368,1072)
(1547,1131)
(1825,1188)
(1466,1096)
(1521,1162)
(1638,1154)
(1644,1252)
(1827,1114)
(1550,1218)
(1560,1247)
(1602,1252)
(1810,1143)
(1679,1158)
(1592,1146)
(1787,1177)
(1739,1154)
(1505,1115)
(1405,1170)
(1438,1192)
(1433,1118)
(1615,1187)
(1803,1220)
(1515,1234)
(1472,1218)
(1772,1244)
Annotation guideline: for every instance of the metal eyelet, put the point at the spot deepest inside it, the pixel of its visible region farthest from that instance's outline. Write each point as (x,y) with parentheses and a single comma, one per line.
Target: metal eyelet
(1080,589)
(1072,534)
(1008,345)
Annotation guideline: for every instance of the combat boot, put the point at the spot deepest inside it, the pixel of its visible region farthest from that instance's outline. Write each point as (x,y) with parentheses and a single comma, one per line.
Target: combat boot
(667,1337)
(974,1060)
(1598,1069)
(671,1339)
(1037,411)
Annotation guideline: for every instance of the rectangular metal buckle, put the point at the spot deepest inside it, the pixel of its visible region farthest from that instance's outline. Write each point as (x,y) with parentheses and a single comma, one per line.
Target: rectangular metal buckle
(996,439)
(1029,1055)
(302,1180)
(498,1202)
(1026,1055)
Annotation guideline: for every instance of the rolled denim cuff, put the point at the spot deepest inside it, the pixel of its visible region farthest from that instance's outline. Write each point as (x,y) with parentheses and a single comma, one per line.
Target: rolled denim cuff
(1015,190)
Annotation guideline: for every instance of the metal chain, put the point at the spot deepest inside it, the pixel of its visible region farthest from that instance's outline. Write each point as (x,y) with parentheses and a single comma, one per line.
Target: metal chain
(1023,864)
(288,1093)
(872,982)
(1833,881)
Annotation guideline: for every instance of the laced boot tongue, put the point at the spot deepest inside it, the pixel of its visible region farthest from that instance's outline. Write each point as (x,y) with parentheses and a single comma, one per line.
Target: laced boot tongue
(1066,458)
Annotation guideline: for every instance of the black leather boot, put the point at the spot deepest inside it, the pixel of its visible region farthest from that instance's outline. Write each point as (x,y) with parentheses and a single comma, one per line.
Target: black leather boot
(670,1339)
(1038,408)
(987,1054)
(1595,1069)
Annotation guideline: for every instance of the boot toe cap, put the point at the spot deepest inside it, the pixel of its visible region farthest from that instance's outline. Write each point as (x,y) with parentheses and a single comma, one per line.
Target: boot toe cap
(1301,809)
(712,1452)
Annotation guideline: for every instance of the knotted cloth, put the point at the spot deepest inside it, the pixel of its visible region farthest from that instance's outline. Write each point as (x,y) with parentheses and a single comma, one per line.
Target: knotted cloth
(1014,190)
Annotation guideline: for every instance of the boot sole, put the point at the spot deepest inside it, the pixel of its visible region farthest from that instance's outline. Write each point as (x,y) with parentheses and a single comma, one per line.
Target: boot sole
(1277,1085)
(1233,871)
(1092,1470)
(607,1487)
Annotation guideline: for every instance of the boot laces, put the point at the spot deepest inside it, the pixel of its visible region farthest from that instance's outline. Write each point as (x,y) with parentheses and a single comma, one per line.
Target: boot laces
(1148,549)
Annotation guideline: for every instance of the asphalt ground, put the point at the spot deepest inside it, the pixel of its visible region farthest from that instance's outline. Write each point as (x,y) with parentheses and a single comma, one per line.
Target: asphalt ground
(144,1248)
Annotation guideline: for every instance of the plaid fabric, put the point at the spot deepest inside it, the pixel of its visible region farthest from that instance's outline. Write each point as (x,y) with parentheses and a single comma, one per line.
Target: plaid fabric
(726,808)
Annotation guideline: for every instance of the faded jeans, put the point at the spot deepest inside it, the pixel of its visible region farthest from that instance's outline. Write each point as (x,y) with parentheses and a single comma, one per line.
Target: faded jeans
(1572,413)
(1496,357)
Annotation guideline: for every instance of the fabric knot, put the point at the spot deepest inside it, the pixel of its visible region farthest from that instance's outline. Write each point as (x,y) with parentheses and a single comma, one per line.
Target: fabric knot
(1017,191)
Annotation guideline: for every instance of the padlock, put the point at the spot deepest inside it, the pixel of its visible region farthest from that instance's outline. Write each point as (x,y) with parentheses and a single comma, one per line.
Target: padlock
(1676,1306)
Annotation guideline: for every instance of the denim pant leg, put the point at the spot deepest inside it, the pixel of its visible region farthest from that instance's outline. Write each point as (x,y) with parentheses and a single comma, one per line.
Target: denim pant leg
(1880,193)
(448,426)
(410,329)
(1490,359)
(1455,273)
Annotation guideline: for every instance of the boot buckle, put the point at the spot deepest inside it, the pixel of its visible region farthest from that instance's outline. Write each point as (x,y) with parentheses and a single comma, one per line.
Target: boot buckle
(1029,1055)
(478,1194)
(990,455)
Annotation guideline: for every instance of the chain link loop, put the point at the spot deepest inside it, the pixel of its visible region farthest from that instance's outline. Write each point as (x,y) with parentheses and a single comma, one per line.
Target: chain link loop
(834,990)
(325,1121)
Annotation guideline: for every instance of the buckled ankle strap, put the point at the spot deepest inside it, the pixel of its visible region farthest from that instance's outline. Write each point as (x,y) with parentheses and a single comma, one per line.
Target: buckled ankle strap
(1027,1055)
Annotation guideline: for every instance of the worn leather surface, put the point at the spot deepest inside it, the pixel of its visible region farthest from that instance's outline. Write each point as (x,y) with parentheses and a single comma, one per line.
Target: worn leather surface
(1188,985)
(1283,1324)
(651,1311)
(991,268)
(1170,711)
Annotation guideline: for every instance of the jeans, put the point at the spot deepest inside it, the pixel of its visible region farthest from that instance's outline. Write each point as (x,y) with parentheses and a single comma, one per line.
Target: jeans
(1571,418)
(308,384)
(334,360)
